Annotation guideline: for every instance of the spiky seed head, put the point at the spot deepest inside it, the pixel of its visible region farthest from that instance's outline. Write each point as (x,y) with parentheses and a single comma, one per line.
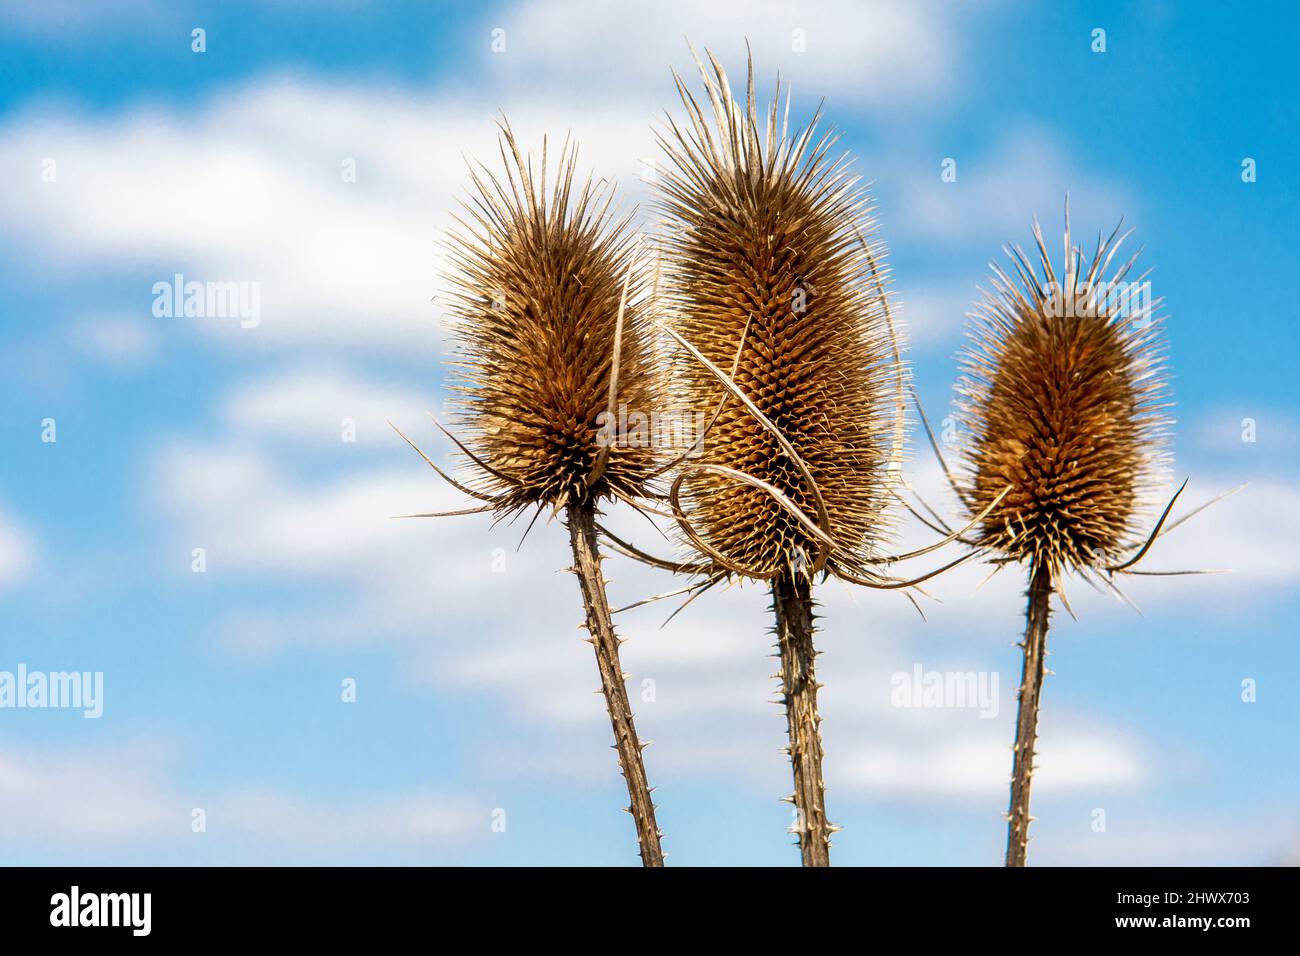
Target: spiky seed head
(770,239)
(536,284)
(1064,392)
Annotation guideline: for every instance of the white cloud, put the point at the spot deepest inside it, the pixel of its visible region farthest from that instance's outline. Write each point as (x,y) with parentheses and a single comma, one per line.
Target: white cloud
(935,311)
(885,54)
(312,405)
(1252,534)
(244,511)
(118,794)
(1027,171)
(82,795)
(118,341)
(67,19)
(17,551)
(385,579)
(429,590)
(418,818)
(976,766)
(249,187)
(345,264)
(1235,435)
(1149,836)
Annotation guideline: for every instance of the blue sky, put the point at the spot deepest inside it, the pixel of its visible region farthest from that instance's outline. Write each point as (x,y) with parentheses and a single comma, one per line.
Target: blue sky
(222,688)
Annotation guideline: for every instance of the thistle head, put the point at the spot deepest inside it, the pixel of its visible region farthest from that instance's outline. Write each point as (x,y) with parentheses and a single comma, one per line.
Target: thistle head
(550,333)
(771,268)
(1064,391)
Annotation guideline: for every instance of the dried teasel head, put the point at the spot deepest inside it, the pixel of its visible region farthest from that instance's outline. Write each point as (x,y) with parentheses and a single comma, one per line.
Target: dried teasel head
(550,333)
(1064,392)
(772,269)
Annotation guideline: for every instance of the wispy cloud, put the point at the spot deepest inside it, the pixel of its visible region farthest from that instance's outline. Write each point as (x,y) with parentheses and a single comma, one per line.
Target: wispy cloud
(965,766)
(71,795)
(420,818)
(253,181)
(330,198)
(881,55)
(117,341)
(68,19)
(130,794)
(17,550)
(1144,837)
(399,582)
(323,406)
(1026,171)
(1238,436)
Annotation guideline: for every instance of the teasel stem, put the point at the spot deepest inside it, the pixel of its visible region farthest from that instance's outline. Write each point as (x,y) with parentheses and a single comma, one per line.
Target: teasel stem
(1037,612)
(581,519)
(793,606)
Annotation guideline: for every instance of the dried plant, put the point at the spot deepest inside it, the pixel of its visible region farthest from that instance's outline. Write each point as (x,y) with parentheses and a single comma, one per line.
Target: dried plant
(1065,397)
(551,333)
(772,270)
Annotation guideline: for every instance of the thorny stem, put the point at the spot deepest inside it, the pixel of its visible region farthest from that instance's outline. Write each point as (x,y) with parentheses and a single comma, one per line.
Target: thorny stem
(792,604)
(1034,646)
(586,565)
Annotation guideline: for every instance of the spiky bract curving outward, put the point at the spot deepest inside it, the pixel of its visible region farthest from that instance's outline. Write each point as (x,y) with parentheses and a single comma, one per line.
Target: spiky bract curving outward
(1064,391)
(538,285)
(772,266)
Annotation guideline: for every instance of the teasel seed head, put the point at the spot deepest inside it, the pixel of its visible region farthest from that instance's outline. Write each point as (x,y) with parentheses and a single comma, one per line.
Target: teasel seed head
(547,307)
(1065,394)
(771,266)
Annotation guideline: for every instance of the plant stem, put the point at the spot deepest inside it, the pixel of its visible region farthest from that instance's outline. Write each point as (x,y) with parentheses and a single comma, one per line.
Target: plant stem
(1037,612)
(792,604)
(586,565)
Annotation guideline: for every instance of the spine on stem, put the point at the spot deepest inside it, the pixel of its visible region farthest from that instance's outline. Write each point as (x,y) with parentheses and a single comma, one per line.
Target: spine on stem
(600,626)
(1034,647)
(793,607)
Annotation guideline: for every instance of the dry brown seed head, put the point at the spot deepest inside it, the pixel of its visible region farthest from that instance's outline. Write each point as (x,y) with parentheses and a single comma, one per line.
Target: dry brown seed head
(1064,391)
(536,285)
(766,231)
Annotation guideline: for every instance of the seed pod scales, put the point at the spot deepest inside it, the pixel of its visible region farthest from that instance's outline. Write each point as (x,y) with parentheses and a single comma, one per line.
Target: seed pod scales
(769,241)
(536,288)
(1064,390)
